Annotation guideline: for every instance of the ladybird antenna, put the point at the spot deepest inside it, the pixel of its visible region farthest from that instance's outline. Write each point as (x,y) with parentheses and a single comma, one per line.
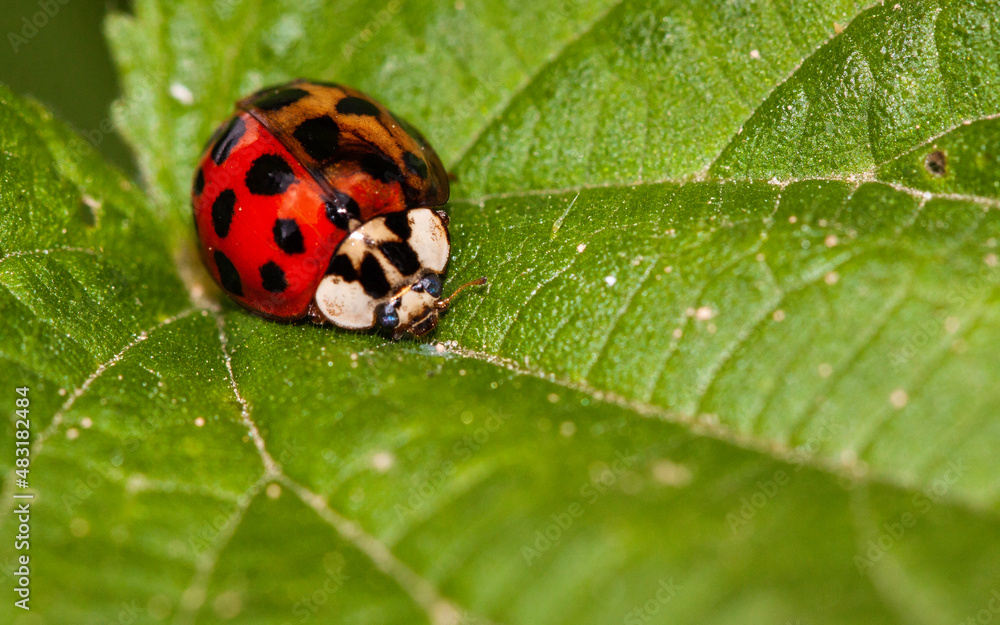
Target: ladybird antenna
(444,303)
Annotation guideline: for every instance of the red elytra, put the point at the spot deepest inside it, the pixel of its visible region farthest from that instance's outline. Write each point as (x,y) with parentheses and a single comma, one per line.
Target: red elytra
(248,242)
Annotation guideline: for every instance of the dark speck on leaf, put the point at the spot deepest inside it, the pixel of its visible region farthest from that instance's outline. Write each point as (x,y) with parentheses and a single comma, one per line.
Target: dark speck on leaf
(87,215)
(936,164)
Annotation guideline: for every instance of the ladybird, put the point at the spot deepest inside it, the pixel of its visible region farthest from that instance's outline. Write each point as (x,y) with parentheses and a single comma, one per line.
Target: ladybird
(314,202)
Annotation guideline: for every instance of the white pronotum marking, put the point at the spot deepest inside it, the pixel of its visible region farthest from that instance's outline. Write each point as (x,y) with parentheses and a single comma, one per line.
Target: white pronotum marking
(345,303)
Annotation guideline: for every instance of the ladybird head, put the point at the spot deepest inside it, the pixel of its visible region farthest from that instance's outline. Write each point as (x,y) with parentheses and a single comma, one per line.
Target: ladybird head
(414,311)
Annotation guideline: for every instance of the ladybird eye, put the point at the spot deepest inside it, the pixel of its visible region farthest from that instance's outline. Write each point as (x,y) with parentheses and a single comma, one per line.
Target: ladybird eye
(386,316)
(432,284)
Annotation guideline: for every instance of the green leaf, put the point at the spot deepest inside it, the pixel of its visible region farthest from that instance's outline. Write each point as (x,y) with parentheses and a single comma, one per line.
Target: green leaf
(734,363)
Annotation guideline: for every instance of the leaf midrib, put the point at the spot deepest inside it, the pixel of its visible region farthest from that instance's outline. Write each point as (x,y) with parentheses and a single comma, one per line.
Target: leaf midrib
(777,450)
(855,180)
(707,425)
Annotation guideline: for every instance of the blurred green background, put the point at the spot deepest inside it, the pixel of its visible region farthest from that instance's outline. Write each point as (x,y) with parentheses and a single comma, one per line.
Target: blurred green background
(64,63)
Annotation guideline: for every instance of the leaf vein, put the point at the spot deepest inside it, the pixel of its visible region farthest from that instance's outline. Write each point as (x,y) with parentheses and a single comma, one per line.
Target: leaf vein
(57,417)
(439,611)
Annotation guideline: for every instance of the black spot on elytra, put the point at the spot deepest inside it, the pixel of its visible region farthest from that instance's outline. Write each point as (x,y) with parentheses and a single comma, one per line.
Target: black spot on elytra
(228,276)
(357,106)
(348,203)
(230,136)
(199,181)
(338,216)
(380,167)
(413,132)
(288,236)
(373,278)
(415,164)
(319,137)
(401,255)
(341,209)
(212,139)
(936,164)
(280,99)
(269,175)
(272,277)
(340,265)
(222,212)
(399,224)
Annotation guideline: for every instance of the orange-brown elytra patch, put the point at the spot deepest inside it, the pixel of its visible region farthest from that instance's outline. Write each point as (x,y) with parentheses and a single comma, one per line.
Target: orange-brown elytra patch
(362,130)
(374,197)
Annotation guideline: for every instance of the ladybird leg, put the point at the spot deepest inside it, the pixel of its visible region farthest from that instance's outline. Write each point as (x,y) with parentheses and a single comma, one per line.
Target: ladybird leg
(444,217)
(315,316)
